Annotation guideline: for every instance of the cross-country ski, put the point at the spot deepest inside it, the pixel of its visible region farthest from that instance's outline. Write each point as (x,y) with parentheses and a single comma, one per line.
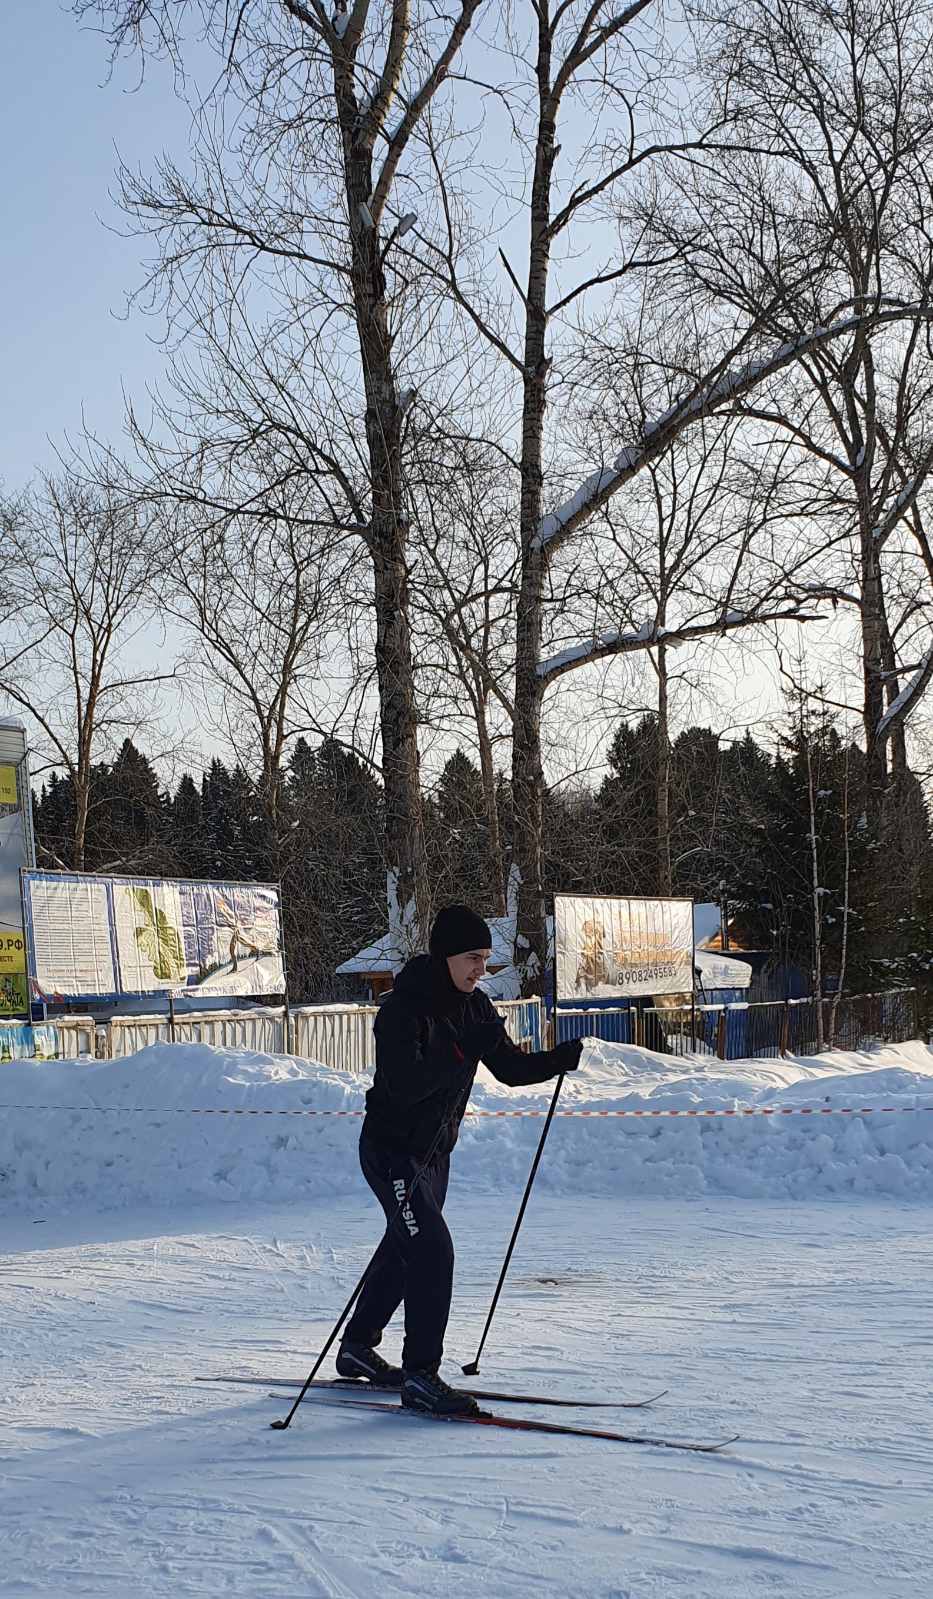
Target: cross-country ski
(485,1418)
(349,1386)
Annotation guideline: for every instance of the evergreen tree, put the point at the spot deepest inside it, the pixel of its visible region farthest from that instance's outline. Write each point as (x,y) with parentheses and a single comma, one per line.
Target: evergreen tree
(699,812)
(334,883)
(460,864)
(626,847)
(572,824)
(746,818)
(233,826)
(128,821)
(189,843)
(129,818)
(54,820)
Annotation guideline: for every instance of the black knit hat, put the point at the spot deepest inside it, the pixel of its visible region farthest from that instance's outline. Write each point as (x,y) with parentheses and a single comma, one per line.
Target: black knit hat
(457,929)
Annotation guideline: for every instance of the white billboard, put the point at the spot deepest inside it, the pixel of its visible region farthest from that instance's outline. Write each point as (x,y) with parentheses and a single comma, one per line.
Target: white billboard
(94,937)
(608,948)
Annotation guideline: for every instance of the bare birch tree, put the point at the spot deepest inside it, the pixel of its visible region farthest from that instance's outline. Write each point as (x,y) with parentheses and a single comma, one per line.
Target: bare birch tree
(314,172)
(261,607)
(463,589)
(618,69)
(824,206)
(81,567)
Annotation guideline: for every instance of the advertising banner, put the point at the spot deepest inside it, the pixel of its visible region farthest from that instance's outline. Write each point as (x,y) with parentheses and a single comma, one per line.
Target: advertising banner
(622,948)
(91,937)
(13,857)
(23,1041)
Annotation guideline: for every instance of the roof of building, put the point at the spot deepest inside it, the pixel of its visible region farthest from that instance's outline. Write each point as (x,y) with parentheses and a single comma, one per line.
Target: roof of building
(375,957)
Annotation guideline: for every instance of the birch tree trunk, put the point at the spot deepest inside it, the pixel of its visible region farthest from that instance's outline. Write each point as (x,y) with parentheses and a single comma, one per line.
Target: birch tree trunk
(527,763)
(663,779)
(491,800)
(846,903)
(815,888)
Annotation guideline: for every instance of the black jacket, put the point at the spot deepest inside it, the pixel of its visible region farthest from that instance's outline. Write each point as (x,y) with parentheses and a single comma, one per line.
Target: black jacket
(426,1060)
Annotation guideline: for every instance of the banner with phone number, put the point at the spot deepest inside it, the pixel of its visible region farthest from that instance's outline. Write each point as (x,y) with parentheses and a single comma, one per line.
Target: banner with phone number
(608,948)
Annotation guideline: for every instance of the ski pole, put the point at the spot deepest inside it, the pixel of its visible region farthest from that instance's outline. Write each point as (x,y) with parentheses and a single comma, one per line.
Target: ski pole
(472,1369)
(279,1426)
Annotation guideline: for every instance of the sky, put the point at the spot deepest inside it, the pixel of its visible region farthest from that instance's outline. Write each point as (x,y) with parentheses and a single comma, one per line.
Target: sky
(64,272)
(71,347)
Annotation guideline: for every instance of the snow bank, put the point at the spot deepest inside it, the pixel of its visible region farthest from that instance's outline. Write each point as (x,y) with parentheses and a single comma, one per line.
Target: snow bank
(117,1133)
(76,1154)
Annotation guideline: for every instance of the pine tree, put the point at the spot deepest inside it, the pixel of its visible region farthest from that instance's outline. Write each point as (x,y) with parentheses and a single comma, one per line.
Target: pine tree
(698,814)
(54,819)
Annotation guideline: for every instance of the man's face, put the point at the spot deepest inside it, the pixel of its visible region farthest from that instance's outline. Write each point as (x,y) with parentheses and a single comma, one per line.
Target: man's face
(466,970)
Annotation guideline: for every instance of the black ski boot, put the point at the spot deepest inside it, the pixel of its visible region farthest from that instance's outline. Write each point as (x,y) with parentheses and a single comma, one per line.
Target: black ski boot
(425,1390)
(358,1360)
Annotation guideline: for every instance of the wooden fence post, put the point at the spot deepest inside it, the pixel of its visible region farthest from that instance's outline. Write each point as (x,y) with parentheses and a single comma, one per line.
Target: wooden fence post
(721,1035)
(785,1029)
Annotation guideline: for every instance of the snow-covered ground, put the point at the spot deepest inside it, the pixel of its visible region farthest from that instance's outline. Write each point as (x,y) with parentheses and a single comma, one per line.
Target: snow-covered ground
(774,1273)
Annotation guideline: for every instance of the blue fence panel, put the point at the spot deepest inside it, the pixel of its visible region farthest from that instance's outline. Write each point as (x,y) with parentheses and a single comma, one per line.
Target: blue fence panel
(736,1032)
(529,1024)
(611,1023)
(524,1020)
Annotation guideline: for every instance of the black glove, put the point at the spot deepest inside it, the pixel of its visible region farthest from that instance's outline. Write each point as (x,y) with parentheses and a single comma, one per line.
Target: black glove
(567,1055)
(482,1038)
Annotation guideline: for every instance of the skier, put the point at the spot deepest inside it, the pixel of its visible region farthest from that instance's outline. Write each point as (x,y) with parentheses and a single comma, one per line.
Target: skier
(431,1032)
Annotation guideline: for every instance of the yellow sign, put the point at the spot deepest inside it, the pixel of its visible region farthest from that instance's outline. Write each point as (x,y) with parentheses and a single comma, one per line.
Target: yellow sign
(8,794)
(14,1000)
(12,953)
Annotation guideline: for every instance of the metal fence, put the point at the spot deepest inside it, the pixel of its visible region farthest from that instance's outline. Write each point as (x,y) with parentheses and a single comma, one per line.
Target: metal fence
(340,1036)
(260,1029)
(736,1032)
(614,1024)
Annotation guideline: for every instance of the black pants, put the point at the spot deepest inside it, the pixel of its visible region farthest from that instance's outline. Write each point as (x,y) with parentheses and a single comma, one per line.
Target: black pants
(414,1262)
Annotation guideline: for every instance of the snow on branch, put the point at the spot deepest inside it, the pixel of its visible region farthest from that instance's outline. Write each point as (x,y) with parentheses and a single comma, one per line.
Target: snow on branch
(649,636)
(905,500)
(660,432)
(901,708)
